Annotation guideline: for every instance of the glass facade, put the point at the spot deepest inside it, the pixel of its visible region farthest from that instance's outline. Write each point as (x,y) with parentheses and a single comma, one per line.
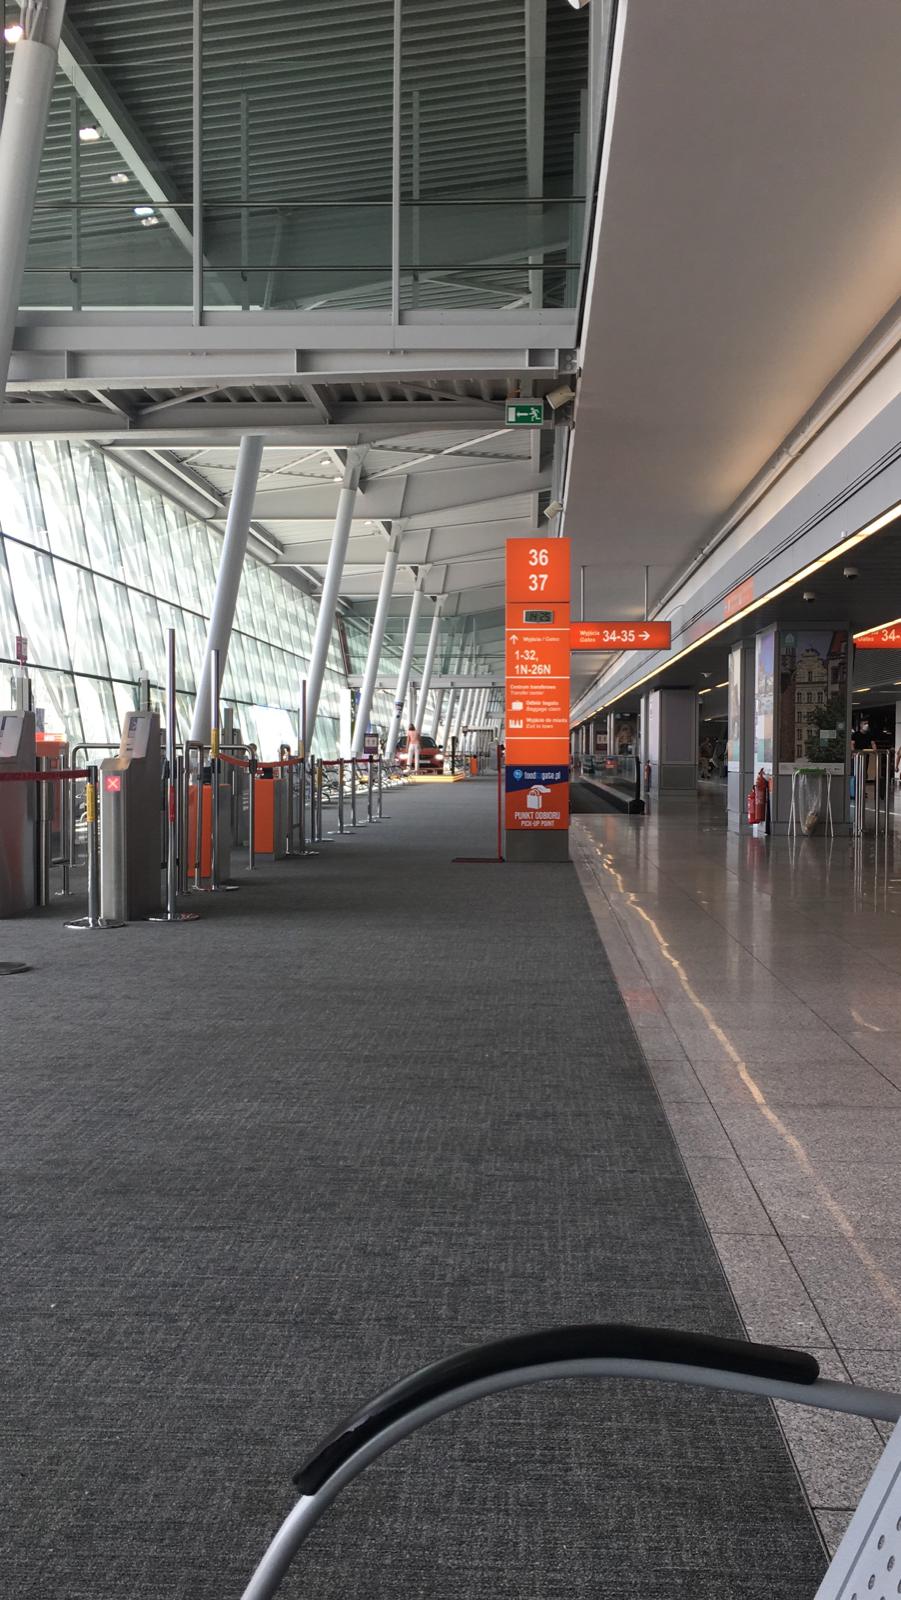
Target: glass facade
(96,566)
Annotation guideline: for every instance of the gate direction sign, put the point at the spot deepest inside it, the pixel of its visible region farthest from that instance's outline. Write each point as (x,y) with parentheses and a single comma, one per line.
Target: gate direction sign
(21,650)
(880,638)
(537,666)
(621,635)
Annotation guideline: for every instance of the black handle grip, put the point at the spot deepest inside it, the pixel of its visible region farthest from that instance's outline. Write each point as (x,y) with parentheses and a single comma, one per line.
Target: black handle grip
(592,1340)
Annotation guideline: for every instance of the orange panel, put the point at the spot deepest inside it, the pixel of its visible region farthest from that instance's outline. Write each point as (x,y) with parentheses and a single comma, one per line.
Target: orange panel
(206,834)
(621,635)
(538,570)
(879,639)
(264,817)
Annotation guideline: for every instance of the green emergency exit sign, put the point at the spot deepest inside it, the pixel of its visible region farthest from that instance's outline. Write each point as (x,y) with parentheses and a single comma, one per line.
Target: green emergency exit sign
(525,413)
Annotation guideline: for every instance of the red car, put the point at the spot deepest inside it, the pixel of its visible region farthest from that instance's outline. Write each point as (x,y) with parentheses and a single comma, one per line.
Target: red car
(431,756)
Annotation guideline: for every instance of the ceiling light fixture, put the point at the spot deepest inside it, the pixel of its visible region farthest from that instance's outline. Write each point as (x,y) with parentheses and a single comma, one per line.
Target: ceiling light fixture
(144,211)
(553,510)
(118,177)
(578,5)
(845,543)
(89,134)
(14,33)
(150,222)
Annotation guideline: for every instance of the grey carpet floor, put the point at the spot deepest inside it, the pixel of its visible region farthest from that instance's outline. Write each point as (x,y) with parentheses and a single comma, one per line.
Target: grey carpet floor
(372,1109)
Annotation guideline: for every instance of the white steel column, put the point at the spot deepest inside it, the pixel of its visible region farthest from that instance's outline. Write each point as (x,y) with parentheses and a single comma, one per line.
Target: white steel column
(228,578)
(21,143)
(328,600)
(370,673)
(406,661)
(428,669)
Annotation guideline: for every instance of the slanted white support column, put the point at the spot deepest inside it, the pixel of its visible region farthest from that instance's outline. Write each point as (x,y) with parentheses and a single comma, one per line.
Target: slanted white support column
(328,600)
(442,723)
(428,669)
(406,661)
(21,143)
(228,579)
(370,673)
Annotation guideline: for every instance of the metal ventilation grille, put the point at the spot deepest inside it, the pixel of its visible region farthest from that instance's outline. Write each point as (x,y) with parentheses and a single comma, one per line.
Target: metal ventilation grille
(299,98)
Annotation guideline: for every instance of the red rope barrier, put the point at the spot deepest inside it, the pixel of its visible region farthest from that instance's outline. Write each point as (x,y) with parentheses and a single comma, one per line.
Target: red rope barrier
(44,777)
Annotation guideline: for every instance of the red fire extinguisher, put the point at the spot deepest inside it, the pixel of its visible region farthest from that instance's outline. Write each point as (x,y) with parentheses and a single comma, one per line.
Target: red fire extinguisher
(752,807)
(761,793)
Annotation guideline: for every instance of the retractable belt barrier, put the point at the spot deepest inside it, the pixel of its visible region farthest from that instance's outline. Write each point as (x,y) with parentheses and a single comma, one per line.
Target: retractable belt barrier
(59,775)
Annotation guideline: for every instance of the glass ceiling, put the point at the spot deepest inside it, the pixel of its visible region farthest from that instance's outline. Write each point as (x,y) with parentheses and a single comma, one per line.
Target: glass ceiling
(339,168)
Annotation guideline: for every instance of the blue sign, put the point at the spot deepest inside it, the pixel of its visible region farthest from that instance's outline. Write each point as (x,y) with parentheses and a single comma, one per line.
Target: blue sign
(526,777)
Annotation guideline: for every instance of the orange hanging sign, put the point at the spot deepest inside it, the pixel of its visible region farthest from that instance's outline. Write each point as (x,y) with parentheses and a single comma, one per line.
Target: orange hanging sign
(621,635)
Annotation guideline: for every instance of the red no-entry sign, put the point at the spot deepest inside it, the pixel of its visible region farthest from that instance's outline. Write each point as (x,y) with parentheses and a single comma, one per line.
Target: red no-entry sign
(112,783)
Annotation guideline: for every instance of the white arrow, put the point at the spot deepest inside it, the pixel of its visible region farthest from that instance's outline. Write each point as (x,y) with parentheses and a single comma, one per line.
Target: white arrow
(644,636)
(514,638)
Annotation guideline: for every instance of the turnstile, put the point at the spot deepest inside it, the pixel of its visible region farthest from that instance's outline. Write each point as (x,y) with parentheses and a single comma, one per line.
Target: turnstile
(130,802)
(18,815)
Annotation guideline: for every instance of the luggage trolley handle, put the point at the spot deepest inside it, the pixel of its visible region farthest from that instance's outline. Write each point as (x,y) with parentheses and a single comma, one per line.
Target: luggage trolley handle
(604,1350)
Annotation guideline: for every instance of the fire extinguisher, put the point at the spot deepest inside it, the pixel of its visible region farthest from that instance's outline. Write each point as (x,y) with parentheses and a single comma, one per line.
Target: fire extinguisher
(647,777)
(752,807)
(761,794)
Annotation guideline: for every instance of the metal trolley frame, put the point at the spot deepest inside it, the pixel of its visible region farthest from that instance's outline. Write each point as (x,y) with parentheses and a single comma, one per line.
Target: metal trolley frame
(869,1557)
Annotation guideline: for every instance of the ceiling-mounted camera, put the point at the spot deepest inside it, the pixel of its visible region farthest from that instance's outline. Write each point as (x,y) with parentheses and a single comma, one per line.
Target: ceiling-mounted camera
(850,572)
(808,595)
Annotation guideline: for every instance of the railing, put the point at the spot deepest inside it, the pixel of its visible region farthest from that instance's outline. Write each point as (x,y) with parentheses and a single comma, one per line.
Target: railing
(594,1351)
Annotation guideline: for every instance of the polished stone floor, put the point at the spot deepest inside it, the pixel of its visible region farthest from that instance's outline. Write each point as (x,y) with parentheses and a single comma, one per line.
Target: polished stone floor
(762,978)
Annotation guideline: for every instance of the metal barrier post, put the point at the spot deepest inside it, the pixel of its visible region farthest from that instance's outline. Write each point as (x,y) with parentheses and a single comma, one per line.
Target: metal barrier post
(182,826)
(319,799)
(369,790)
(66,835)
(172,913)
(198,822)
(251,812)
(302,806)
(92,816)
(45,815)
(340,794)
(380,788)
(214,768)
(353,792)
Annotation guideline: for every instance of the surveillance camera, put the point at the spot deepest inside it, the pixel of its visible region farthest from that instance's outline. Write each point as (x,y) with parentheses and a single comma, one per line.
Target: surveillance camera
(850,572)
(560,396)
(553,510)
(808,595)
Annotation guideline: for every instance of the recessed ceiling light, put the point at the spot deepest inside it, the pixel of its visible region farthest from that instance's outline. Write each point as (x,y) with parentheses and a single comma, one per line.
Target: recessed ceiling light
(89,134)
(150,222)
(144,211)
(337,478)
(14,33)
(118,177)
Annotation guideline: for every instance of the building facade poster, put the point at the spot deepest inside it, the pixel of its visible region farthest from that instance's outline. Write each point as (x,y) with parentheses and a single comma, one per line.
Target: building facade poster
(733,745)
(764,699)
(813,699)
